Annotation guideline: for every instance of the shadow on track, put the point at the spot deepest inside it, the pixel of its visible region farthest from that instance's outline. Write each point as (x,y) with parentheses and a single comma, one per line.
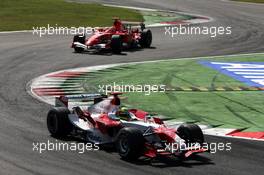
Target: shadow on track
(165,162)
(109,53)
(159,162)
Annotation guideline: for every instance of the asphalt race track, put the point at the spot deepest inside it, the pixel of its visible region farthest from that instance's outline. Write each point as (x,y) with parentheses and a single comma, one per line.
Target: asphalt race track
(24,56)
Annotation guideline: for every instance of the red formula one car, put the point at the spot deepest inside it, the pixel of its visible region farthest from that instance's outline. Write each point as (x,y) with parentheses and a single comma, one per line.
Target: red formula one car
(116,38)
(134,132)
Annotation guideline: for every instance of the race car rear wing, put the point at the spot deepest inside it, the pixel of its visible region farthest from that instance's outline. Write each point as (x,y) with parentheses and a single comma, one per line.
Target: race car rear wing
(132,23)
(63,101)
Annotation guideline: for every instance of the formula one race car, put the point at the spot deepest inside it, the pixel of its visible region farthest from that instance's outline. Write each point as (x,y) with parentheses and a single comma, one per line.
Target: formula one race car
(134,132)
(116,38)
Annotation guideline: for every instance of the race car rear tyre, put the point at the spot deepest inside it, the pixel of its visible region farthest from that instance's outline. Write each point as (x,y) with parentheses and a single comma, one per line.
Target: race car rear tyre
(81,39)
(58,122)
(191,133)
(130,143)
(146,38)
(116,44)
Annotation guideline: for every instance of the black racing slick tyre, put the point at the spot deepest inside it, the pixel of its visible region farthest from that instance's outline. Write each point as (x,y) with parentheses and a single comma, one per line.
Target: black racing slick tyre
(130,143)
(80,39)
(191,133)
(116,44)
(58,122)
(145,38)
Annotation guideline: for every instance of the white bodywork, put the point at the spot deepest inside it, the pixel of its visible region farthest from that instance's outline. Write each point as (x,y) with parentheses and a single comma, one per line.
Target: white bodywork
(96,136)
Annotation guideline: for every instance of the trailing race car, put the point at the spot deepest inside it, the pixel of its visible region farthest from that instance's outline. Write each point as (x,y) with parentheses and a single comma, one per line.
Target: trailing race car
(134,132)
(116,38)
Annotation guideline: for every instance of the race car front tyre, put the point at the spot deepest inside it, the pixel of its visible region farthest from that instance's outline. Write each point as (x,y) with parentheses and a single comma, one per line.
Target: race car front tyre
(191,133)
(58,122)
(80,39)
(116,44)
(130,143)
(145,38)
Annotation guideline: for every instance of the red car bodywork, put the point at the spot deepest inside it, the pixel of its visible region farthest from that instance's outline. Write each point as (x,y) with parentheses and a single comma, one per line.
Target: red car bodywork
(102,38)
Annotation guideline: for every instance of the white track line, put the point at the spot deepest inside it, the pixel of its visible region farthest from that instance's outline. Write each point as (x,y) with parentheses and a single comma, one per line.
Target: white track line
(43,78)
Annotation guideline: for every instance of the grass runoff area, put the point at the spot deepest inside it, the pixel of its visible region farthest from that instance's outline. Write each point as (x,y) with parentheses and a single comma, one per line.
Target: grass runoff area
(26,14)
(231,109)
(255,1)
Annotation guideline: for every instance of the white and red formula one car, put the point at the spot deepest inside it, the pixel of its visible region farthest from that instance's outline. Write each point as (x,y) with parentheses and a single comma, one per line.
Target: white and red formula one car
(134,132)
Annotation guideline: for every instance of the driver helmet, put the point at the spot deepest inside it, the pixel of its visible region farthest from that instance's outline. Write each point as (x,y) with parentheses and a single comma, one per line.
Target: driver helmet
(124,113)
(117,24)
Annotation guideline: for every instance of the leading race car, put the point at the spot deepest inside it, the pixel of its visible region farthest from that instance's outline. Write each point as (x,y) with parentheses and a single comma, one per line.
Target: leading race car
(116,38)
(134,132)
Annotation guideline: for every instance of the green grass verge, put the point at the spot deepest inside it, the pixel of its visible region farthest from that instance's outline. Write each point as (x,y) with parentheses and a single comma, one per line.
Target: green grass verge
(255,1)
(240,109)
(161,16)
(25,14)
